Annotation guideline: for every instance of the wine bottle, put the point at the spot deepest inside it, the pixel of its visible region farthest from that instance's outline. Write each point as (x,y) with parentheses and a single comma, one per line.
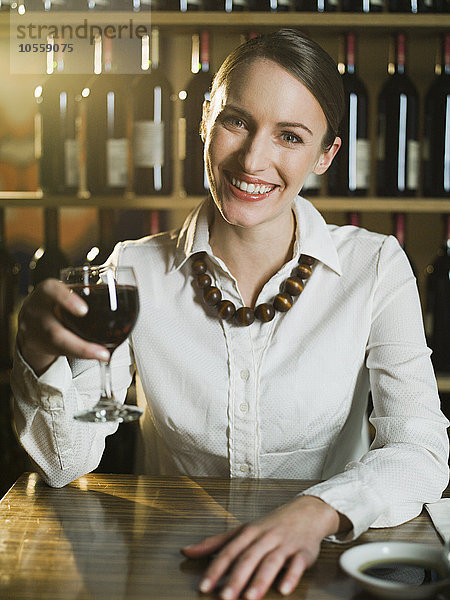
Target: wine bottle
(152,121)
(56,140)
(272,5)
(107,114)
(197,90)
(437,319)
(316,5)
(9,285)
(350,170)
(436,139)
(353,218)
(399,230)
(398,146)
(50,259)
(411,6)
(188,5)
(100,253)
(364,6)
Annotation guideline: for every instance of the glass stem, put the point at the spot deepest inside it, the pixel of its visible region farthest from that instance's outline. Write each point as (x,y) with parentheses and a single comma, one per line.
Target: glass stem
(105,371)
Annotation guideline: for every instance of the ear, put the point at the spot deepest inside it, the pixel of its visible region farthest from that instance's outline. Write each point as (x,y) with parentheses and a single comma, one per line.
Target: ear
(326,158)
(205,114)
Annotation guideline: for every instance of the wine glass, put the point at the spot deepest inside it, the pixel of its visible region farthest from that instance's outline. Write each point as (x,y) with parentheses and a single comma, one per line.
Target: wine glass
(112,297)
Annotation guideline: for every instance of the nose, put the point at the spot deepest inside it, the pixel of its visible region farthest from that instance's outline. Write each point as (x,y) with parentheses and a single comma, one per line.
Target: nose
(254,155)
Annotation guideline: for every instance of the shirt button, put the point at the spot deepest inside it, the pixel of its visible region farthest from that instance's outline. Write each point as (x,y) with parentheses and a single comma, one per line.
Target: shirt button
(243,407)
(245,374)
(244,468)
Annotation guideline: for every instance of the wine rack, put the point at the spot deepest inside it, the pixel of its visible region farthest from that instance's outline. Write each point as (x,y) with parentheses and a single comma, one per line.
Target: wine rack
(372,31)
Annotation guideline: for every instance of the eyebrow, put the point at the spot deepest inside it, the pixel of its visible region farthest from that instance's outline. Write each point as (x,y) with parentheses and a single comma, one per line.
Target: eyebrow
(246,114)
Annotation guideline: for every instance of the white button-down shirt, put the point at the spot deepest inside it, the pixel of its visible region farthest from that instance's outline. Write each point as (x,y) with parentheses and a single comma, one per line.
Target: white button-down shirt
(285,399)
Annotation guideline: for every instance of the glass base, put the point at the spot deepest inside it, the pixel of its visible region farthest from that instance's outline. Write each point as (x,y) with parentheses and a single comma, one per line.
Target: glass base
(110,412)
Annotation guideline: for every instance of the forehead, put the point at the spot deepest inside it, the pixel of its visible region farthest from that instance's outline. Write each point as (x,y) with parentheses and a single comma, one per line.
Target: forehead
(263,86)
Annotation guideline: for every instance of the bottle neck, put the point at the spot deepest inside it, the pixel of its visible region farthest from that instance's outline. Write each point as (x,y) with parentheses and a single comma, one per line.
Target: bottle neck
(51,227)
(204,51)
(350,53)
(400,57)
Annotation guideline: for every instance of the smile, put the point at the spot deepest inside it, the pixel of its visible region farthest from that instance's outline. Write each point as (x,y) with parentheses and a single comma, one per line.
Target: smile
(252,188)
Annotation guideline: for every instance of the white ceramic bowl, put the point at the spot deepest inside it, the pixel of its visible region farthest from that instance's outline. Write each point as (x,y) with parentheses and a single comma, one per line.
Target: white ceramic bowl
(355,559)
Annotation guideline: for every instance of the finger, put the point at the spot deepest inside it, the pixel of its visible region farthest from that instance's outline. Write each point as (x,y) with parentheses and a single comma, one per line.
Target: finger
(265,575)
(226,557)
(59,294)
(210,544)
(69,344)
(246,565)
(293,574)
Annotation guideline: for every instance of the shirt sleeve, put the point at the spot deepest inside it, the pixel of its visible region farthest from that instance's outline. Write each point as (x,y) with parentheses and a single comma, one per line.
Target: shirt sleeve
(407,463)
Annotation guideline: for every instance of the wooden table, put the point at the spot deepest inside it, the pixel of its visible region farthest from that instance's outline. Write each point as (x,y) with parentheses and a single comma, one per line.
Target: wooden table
(118,536)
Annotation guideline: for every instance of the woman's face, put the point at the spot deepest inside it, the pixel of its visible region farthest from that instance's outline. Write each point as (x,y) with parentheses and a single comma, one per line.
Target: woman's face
(262,138)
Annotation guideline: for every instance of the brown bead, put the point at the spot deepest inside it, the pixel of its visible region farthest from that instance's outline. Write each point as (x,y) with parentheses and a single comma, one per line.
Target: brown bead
(293,286)
(283,302)
(212,295)
(245,316)
(303,271)
(204,280)
(306,260)
(199,266)
(226,309)
(265,312)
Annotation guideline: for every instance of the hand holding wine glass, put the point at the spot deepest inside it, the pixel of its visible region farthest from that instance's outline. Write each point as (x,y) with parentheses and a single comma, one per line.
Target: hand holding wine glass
(112,297)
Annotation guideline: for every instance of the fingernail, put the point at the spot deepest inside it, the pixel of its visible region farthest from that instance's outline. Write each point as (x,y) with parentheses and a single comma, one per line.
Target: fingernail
(227,594)
(205,585)
(252,594)
(103,355)
(285,588)
(82,309)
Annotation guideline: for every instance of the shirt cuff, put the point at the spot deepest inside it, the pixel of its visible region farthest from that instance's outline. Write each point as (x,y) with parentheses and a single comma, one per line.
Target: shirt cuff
(46,391)
(349,494)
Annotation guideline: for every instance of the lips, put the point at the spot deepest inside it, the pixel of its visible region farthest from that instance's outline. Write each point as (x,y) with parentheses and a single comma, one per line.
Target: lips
(250,189)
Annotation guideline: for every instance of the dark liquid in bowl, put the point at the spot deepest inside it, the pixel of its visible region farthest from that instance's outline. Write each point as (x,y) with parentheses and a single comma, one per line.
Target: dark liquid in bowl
(112,314)
(404,572)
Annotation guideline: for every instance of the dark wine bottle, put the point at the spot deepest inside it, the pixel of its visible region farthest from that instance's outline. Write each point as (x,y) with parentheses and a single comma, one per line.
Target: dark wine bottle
(353,218)
(349,173)
(437,319)
(50,259)
(398,145)
(188,5)
(399,230)
(197,90)
(411,6)
(98,254)
(9,285)
(58,102)
(152,121)
(272,5)
(436,139)
(107,143)
(316,5)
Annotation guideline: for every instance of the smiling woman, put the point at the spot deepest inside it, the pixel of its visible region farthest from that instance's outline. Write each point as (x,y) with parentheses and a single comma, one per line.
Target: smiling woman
(261,332)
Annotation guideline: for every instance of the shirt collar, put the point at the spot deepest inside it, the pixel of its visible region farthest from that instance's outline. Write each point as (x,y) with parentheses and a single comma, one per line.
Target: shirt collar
(313,236)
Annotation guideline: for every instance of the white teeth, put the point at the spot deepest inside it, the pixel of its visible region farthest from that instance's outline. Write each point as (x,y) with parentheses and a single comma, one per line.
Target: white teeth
(251,188)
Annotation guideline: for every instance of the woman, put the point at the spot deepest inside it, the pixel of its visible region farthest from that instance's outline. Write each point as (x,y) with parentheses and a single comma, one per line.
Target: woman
(280,388)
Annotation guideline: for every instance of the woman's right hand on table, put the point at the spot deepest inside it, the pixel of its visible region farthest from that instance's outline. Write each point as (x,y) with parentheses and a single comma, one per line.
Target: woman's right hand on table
(41,337)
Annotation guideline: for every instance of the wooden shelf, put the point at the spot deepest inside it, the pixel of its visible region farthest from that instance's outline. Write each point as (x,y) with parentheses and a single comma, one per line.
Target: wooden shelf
(181,202)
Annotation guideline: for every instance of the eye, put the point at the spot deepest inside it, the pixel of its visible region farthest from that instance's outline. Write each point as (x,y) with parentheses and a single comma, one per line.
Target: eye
(234,122)
(291,138)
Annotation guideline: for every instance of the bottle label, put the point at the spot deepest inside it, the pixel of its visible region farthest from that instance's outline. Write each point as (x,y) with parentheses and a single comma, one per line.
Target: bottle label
(116,162)
(413,160)
(148,144)
(362,163)
(71,168)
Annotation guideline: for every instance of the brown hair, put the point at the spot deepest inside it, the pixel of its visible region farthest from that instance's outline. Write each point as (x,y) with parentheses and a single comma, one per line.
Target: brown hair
(304,59)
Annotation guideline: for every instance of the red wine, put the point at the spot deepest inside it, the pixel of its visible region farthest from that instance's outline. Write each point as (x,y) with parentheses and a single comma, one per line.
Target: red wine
(198,90)
(436,142)
(110,318)
(58,101)
(350,170)
(398,145)
(152,121)
(107,143)
(49,260)
(437,320)
(9,284)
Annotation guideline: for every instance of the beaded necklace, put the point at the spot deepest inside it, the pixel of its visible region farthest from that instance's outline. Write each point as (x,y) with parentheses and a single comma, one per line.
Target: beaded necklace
(292,287)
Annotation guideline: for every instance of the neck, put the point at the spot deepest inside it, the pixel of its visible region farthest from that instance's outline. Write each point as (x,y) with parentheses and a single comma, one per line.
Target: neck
(254,254)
